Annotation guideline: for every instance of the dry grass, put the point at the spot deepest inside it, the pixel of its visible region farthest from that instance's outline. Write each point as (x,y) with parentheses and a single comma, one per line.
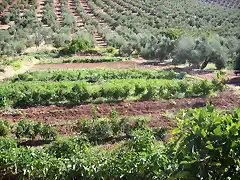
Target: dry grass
(39,49)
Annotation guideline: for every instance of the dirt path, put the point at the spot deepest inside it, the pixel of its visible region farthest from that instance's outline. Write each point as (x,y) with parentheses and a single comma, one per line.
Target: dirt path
(10,72)
(57,10)
(72,8)
(39,9)
(99,39)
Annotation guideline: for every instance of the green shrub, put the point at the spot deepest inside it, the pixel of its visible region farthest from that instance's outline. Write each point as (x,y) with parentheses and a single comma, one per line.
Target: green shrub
(160,132)
(4,127)
(3,101)
(49,132)
(207,143)
(7,143)
(80,93)
(141,141)
(78,45)
(96,129)
(26,128)
(68,147)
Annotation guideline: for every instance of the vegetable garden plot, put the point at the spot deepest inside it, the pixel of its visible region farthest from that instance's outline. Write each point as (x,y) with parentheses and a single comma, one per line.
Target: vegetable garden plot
(213,134)
(94,75)
(45,93)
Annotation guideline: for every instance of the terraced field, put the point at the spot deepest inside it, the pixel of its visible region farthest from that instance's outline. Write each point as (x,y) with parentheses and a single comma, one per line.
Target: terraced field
(119,89)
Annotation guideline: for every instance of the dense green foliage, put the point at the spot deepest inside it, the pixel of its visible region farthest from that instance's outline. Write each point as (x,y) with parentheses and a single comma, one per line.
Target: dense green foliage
(44,93)
(4,127)
(92,60)
(28,129)
(103,129)
(187,31)
(94,75)
(205,145)
(4,4)
(84,60)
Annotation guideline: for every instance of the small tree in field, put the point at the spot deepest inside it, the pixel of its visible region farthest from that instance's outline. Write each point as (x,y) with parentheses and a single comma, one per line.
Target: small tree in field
(79,45)
(184,50)
(200,51)
(60,40)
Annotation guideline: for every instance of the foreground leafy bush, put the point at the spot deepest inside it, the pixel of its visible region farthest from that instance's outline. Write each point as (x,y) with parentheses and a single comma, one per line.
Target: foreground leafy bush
(26,128)
(45,93)
(7,143)
(207,143)
(68,146)
(29,129)
(49,132)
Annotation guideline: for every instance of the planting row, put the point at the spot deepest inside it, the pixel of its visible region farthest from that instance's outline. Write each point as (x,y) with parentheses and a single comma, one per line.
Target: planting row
(4,4)
(157,36)
(204,145)
(97,130)
(95,75)
(28,129)
(45,93)
(84,60)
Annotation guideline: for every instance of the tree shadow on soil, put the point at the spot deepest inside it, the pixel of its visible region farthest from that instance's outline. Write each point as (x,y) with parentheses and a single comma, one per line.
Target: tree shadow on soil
(166,66)
(155,63)
(234,81)
(34,143)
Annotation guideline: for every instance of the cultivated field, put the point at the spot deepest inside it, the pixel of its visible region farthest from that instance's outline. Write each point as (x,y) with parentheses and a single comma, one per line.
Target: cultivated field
(119,89)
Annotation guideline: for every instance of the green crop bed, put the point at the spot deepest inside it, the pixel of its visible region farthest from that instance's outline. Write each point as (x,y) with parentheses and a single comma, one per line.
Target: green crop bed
(94,74)
(205,144)
(45,93)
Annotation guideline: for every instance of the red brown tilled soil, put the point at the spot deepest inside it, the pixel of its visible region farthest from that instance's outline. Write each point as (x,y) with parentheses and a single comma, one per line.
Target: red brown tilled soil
(65,116)
(155,109)
(116,65)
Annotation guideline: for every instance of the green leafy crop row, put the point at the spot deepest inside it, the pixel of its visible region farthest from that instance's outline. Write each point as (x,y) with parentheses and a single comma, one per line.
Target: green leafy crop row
(94,75)
(103,129)
(205,145)
(45,93)
(85,60)
(27,129)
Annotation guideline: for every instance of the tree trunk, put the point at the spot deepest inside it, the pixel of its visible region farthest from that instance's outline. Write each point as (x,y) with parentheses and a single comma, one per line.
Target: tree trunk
(204,64)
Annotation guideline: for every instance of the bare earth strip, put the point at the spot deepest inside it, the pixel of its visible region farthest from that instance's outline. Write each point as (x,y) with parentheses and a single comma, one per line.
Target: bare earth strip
(157,109)
(124,64)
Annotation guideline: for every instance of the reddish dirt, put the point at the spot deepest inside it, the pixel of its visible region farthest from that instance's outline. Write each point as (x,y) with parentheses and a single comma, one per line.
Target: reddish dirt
(155,109)
(124,64)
